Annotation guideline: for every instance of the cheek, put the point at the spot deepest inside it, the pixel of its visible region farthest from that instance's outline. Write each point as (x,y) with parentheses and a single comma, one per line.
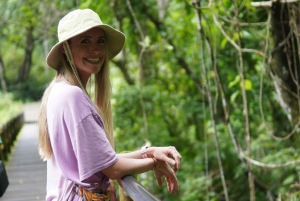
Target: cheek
(77,55)
(103,49)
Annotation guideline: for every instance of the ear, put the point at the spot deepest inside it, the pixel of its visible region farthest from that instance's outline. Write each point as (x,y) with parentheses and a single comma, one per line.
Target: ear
(62,49)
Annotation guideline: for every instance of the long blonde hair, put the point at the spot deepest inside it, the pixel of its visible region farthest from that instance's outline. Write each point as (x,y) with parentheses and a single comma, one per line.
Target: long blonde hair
(102,103)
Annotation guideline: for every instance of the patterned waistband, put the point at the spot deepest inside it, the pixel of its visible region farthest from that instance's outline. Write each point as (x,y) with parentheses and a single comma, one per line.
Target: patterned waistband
(109,195)
(92,196)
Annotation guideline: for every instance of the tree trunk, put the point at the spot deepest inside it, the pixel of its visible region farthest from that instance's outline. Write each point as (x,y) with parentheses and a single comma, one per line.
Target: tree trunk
(26,65)
(162,6)
(120,12)
(285,64)
(2,76)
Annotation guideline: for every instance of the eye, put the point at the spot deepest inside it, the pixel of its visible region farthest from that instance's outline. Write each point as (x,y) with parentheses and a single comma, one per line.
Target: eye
(101,40)
(85,40)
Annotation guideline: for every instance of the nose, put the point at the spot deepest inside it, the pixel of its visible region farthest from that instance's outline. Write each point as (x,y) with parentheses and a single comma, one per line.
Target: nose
(97,48)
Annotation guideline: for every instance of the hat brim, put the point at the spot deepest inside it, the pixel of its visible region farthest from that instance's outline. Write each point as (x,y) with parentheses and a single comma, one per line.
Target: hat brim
(114,41)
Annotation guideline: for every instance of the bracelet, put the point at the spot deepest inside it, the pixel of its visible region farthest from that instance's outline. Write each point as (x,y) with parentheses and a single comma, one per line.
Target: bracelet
(155,163)
(143,152)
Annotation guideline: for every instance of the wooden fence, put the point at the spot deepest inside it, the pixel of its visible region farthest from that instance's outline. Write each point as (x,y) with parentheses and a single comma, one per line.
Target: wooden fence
(8,134)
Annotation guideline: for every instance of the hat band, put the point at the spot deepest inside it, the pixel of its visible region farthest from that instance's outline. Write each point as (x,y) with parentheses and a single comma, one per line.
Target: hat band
(71,62)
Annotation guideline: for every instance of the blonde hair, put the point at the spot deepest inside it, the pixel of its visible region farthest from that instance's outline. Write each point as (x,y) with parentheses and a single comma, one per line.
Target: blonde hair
(102,103)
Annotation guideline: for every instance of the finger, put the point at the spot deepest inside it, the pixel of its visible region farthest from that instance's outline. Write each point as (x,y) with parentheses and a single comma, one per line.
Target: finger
(173,182)
(172,179)
(165,169)
(172,185)
(159,181)
(168,184)
(158,178)
(176,155)
(173,153)
(169,160)
(176,185)
(177,158)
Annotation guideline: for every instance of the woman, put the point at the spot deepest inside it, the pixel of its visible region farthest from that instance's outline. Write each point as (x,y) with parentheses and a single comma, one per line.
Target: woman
(76,135)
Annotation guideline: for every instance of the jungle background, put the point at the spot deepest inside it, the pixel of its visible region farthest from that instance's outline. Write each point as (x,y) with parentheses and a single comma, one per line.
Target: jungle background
(217,79)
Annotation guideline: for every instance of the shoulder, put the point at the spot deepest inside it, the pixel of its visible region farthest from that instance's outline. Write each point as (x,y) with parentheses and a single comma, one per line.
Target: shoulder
(62,92)
(70,99)
(65,90)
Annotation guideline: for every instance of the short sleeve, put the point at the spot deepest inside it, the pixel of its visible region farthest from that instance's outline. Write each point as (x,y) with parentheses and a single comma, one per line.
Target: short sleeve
(91,147)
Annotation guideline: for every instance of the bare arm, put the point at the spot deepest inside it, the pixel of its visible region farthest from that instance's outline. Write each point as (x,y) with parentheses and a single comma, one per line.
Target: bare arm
(160,153)
(130,166)
(134,155)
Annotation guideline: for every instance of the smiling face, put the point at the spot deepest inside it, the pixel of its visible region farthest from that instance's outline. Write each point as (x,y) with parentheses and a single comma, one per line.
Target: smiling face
(88,51)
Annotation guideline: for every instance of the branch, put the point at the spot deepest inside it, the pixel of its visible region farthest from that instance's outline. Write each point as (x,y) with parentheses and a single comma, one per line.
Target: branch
(204,40)
(136,22)
(121,63)
(269,3)
(254,51)
(2,75)
(140,66)
(225,34)
(243,24)
(254,162)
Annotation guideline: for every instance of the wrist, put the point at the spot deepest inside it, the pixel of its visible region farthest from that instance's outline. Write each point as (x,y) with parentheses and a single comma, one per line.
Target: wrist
(155,163)
(144,152)
(150,152)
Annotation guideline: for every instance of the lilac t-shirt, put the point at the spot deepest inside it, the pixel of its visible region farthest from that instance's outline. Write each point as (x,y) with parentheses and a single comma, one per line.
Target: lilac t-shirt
(80,147)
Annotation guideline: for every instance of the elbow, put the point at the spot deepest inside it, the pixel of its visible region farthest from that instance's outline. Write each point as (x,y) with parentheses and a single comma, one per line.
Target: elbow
(113,172)
(113,175)
(117,170)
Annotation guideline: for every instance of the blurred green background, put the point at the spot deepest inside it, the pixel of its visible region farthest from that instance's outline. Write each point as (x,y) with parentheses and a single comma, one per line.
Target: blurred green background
(217,79)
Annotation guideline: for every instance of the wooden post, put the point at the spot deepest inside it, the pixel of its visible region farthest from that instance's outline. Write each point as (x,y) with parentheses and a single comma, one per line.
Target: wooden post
(8,133)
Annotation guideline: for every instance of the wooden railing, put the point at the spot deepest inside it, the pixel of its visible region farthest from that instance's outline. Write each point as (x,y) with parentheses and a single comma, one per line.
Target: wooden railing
(135,190)
(8,134)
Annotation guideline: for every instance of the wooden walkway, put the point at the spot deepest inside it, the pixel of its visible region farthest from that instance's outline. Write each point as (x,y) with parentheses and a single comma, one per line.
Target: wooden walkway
(26,171)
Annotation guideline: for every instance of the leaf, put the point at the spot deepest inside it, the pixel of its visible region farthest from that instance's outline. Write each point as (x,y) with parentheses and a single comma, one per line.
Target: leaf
(233,96)
(289,180)
(146,42)
(169,47)
(246,34)
(223,43)
(235,81)
(248,85)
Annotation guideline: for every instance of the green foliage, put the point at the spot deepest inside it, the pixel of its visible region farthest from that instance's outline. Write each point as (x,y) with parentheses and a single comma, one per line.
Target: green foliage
(168,102)
(177,113)
(9,107)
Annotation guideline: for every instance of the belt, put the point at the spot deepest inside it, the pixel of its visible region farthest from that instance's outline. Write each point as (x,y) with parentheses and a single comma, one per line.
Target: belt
(92,196)
(109,195)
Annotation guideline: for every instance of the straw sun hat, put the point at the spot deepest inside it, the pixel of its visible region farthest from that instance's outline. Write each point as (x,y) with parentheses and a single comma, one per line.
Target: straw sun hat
(77,22)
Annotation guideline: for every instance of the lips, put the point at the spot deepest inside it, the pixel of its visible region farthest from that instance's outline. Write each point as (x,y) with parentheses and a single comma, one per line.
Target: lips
(93,60)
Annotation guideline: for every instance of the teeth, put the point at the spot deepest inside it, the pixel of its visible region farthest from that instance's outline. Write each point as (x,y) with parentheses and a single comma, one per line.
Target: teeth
(94,60)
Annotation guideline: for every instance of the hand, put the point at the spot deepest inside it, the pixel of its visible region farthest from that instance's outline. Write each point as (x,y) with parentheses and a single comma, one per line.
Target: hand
(163,170)
(166,154)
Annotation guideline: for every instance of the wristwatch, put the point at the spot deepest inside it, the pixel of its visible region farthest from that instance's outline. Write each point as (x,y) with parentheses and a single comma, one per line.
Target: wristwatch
(143,152)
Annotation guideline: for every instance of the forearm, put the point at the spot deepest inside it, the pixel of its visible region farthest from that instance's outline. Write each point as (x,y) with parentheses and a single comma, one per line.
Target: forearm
(134,155)
(145,159)
(137,154)
(129,166)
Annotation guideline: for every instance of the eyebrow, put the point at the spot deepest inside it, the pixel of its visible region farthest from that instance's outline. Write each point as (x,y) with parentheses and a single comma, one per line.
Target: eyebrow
(87,36)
